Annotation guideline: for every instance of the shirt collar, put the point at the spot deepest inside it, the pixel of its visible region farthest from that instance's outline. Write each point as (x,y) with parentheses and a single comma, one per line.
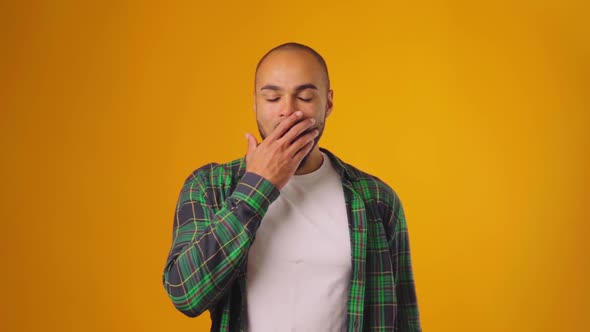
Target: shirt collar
(345,170)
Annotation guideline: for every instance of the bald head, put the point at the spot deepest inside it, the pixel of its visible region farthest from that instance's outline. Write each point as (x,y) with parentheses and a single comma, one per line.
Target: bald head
(297,48)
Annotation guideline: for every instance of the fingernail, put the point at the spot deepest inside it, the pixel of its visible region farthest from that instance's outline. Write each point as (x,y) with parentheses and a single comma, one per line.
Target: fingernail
(312,120)
(298,114)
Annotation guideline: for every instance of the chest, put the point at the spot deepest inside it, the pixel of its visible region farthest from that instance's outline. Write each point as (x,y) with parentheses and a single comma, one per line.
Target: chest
(305,224)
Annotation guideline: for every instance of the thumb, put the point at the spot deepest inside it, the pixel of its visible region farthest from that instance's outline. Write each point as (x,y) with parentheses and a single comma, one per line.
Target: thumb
(252,143)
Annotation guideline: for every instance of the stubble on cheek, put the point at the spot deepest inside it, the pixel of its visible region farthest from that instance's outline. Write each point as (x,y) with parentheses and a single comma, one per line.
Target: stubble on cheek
(304,160)
(261,131)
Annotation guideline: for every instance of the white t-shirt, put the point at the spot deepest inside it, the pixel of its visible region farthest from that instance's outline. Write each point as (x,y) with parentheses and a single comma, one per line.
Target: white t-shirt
(299,265)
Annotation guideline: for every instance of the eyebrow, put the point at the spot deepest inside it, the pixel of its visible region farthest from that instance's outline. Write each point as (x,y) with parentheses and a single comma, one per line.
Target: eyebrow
(297,89)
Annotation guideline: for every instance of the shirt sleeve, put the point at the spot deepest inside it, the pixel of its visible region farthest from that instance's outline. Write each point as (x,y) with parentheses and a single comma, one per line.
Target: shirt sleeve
(407,317)
(210,242)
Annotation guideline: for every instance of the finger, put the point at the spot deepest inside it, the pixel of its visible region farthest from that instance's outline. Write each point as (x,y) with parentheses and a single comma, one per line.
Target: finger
(303,151)
(297,130)
(282,128)
(302,142)
(252,143)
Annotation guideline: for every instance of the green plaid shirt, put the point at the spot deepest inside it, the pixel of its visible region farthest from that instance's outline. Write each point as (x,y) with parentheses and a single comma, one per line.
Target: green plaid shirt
(218,212)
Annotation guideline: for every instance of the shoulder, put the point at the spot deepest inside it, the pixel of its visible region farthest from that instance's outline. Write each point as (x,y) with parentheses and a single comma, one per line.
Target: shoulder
(208,181)
(372,188)
(382,199)
(369,186)
(215,173)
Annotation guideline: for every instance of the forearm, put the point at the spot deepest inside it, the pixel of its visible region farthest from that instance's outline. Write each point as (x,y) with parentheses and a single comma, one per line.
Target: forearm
(209,249)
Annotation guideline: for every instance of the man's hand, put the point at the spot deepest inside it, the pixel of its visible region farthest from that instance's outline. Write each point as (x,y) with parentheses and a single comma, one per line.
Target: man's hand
(278,156)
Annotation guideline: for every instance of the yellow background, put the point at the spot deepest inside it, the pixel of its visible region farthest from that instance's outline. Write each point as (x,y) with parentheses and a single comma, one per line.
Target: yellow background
(476,113)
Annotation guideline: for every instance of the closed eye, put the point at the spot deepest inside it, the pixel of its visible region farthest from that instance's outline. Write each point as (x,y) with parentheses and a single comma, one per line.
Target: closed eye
(307,100)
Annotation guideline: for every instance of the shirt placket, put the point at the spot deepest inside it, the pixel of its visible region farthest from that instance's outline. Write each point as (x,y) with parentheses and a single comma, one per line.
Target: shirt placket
(355,208)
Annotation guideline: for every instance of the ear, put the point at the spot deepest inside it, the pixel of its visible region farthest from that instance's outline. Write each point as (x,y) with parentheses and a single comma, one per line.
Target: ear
(330,102)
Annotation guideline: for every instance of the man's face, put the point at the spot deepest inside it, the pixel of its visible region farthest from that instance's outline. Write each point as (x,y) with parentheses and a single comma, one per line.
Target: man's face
(288,81)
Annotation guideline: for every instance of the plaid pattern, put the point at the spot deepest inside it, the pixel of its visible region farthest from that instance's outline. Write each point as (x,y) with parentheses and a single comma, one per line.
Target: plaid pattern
(218,212)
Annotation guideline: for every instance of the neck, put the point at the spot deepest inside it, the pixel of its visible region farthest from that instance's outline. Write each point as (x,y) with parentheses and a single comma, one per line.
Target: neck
(313,162)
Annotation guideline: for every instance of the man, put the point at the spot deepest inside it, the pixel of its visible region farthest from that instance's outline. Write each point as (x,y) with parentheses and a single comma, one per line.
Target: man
(290,237)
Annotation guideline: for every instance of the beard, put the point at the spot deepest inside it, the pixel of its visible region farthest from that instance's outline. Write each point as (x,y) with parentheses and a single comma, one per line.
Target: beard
(319,127)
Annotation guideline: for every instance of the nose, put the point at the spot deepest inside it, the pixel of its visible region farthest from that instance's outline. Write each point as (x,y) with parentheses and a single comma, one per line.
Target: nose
(288,107)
